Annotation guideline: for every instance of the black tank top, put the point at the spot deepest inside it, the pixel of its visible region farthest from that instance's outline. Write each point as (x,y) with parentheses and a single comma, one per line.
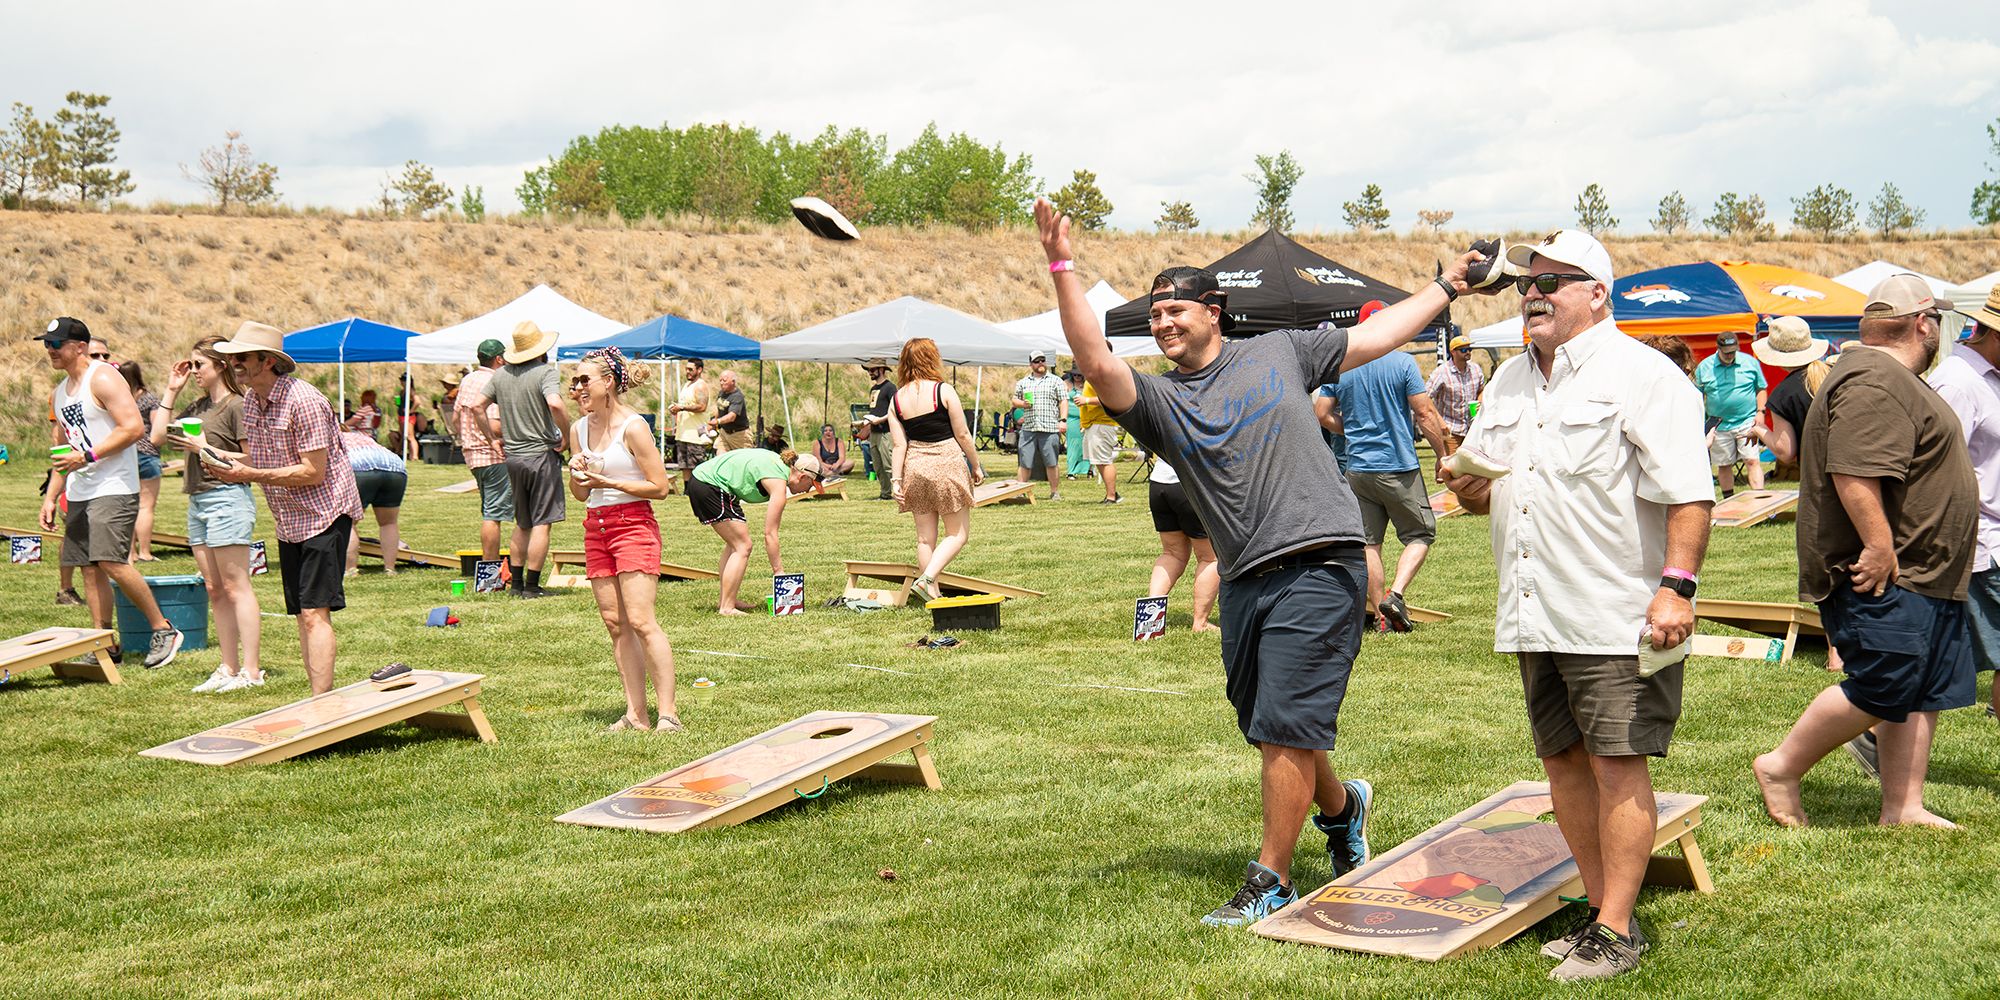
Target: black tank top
(929,427)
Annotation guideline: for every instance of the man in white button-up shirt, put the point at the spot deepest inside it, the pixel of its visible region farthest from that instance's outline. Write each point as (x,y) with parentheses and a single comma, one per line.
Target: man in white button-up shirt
(1969,381)
(1598,530)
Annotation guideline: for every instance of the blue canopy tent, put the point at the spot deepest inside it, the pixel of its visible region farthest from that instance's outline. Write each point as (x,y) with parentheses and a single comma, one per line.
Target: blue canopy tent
(668,338)
(357,340)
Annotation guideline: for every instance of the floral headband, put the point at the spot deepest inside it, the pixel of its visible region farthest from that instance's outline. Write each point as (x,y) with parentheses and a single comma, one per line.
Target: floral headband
(612,360)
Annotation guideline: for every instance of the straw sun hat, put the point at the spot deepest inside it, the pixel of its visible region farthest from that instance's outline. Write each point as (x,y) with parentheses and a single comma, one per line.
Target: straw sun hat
(530,342)
(1790,344)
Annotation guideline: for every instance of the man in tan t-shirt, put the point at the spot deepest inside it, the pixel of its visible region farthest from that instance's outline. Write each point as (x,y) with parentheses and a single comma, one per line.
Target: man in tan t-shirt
(1887,511)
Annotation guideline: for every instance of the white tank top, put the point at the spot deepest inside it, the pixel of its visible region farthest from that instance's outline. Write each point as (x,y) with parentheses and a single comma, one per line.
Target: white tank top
(617,459)
(86,423)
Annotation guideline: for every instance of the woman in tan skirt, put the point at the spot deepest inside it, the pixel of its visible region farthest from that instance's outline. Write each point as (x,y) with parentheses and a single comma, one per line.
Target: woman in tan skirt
(935,464)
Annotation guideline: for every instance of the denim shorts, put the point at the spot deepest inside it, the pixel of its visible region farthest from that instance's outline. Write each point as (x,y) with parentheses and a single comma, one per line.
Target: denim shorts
(149,466)
(222,516)
(1903,651)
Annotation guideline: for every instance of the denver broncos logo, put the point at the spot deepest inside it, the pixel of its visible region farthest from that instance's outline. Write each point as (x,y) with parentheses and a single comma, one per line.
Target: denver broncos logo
(1794,292)
(1652,295)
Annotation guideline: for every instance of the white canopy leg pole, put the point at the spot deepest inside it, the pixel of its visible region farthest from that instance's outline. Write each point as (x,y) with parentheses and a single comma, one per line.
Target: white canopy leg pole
(663,409)
(409,435)
(979,385)
(786,399)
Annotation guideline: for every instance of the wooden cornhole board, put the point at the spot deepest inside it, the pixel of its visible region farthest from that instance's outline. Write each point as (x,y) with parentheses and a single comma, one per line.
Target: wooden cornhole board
(1444,503)
(1005,491)
(372,548)
(796,760)
(468,486)
(900,576)
(1425,616)
(339,714)
(832,489)
(1769,618)
(171,540)
(174,468)
(47,536)
(559,558)
(1754,507)
(1737,647)
(57,647)
(1473,881)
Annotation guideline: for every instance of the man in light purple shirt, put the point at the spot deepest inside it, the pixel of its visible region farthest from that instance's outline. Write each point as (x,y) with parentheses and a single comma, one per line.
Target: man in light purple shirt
(1969,382)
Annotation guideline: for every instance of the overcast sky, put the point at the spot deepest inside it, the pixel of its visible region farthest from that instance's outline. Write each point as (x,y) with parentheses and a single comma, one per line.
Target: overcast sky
(1500,113)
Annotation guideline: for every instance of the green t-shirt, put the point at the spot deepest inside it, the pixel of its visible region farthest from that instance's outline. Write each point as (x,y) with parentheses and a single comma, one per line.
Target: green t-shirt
(741,471)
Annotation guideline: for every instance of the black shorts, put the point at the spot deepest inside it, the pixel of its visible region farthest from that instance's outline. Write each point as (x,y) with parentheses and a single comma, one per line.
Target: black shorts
(311,569)
(1289,639)
(1171,510)
(538,488)
(381,489)
(1903,652)
(712,503)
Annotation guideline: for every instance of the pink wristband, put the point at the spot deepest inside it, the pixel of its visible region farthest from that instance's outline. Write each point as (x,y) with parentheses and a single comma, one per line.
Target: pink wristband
(1061,265)
(1677,573)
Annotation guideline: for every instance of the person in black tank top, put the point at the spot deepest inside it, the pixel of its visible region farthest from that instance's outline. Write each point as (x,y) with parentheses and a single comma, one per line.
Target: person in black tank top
(935,465)
(832,453)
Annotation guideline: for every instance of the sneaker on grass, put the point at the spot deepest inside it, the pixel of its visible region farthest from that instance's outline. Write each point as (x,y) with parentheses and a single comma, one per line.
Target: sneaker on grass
(1347,834)
(1262,895)
(1394,612)
(69,598)
(1600,954)
(240,682)
(1862,749)
(1560,947)
(215,681)
(166,642)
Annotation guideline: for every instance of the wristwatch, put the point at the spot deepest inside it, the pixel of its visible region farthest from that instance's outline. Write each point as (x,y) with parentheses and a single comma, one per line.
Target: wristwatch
(1683,586)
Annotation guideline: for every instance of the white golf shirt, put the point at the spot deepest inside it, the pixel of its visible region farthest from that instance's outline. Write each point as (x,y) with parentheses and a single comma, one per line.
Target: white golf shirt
(1598,452)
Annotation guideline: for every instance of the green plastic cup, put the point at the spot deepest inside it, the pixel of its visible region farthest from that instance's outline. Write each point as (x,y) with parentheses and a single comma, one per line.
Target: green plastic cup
(1472,410)
(458,588)
(60,450)
(1029,396)
(191,426)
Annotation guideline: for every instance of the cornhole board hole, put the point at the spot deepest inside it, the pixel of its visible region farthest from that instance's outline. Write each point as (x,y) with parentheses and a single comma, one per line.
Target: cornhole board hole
(799,759)
(900,576)
(57,648)
(339,714)
(1473,881)
(1444,503)
(1754,507)
(372,548)
(1768,618)
(559,558)
(469,486)
(832,489)
(1005,491)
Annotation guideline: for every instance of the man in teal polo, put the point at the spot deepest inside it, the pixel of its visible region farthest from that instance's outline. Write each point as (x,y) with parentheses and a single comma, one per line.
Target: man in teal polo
(1733,392)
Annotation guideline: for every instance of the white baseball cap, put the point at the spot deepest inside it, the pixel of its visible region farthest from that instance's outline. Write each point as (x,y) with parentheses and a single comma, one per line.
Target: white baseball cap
(1567,246)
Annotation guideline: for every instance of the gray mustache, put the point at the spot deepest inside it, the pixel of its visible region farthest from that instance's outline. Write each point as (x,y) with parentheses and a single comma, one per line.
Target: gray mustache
(1537,307)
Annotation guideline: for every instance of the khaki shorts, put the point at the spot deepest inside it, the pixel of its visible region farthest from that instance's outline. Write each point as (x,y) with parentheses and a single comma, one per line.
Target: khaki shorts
(1730,447)
(1602,701)
(1394,498)
(1100,444)
(99,530)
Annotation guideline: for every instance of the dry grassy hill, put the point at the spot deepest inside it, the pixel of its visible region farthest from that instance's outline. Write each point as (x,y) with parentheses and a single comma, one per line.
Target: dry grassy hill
(154,283)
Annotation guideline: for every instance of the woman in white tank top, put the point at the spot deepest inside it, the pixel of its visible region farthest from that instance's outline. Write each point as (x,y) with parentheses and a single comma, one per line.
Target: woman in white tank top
(618,472)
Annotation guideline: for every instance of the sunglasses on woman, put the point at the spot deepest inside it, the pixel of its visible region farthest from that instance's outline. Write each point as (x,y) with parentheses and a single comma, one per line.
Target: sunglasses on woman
(1546,283)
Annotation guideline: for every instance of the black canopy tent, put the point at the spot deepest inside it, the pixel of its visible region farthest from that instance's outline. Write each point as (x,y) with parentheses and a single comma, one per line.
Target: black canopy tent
(1276,284)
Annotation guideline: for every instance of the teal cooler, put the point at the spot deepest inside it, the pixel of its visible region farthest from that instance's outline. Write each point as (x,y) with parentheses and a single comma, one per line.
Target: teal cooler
(182,599)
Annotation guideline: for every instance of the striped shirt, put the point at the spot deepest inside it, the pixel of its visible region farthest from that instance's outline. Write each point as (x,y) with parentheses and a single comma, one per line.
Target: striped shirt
(280,428)
(1454,392)
(469,413)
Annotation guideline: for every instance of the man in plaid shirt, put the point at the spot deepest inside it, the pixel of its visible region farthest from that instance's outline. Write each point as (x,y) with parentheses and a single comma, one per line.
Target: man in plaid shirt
(295,451)
(1044,402)
(477,417)
(1454,386)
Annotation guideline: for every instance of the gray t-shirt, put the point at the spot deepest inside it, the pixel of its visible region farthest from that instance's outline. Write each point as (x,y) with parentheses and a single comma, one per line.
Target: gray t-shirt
(522,392)
(1243,437)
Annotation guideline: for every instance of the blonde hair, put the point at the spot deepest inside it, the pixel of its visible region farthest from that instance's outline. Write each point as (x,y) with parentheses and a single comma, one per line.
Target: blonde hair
(919,361)
(788,456)
(1815,376)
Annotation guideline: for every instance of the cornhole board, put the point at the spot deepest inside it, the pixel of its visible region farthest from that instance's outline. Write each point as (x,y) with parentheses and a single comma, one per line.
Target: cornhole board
(1769,618)
(1005,491)
(900,576)
(339,714)
(57,648)
(1737,647)
(372,548)
(174,468)
(558,558)
(799,759)
(468,486)
(1425,616)
(171,540)
(47,536)
(1474,881)
(1444,503)
(1753,507)
(832,489)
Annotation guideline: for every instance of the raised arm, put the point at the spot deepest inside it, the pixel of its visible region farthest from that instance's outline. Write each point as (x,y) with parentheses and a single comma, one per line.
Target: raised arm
(1397,325)
(1109,375)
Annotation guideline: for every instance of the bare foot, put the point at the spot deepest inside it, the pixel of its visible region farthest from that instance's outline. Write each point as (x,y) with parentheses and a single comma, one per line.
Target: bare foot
(731,611)
(1207,627)
(1781,795)
(749,606)
(1922,817)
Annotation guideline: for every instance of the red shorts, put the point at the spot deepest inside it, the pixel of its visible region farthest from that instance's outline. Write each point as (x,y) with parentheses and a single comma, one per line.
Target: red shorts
(621,538)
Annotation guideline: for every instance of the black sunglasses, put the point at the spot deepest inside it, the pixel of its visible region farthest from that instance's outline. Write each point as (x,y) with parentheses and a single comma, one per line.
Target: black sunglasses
(102,357)
(1547,283)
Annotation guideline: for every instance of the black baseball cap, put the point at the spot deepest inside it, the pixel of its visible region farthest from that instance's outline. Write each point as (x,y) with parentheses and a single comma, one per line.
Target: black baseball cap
(63,330)
(1195,284)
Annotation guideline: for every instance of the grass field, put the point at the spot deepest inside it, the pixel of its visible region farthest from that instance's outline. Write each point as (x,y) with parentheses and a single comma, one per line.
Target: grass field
(1080,834)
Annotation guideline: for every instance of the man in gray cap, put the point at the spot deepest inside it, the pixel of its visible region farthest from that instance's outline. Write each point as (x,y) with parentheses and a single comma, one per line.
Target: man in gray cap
(1888,512)
(1733,393)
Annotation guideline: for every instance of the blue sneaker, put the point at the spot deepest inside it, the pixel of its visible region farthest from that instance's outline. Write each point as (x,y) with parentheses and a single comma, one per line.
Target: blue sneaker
(1347,842)
(1261,896)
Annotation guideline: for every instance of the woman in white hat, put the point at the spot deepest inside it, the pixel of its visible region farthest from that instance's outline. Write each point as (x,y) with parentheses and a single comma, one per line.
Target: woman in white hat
(1790,345)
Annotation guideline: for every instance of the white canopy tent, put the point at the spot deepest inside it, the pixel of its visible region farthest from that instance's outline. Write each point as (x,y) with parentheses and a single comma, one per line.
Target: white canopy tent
(1506,333)
(1863,279)
(1973,294)
(1044,330)
(459,345)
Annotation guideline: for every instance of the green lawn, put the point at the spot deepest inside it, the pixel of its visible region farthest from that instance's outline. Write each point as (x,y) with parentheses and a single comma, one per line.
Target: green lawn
(1080,834)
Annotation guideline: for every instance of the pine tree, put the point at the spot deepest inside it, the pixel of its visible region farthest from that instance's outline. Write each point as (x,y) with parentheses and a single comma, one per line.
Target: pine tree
(1276,178)
(1672,219)
(1082,201)
(417,192)
(87,138)
(1177,217)
(231,173)
(30,157)
(1826,211)
(1433,219)
(1739,218)
(1593,212)
(1889,214)
(1367,214)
